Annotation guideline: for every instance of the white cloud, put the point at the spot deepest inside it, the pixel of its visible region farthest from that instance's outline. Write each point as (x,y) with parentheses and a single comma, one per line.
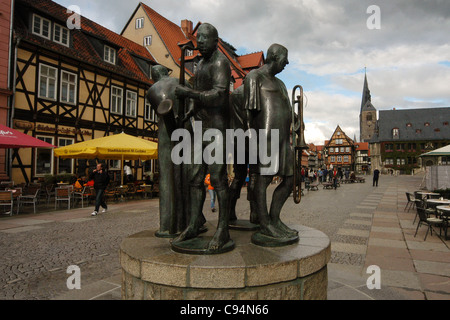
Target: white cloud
(329,41)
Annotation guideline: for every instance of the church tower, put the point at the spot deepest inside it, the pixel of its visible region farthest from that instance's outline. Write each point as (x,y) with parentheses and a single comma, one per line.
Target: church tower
(367,115)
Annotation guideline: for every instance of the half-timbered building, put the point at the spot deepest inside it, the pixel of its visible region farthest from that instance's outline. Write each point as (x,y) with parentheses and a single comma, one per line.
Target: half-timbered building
(75,80)
(340,151)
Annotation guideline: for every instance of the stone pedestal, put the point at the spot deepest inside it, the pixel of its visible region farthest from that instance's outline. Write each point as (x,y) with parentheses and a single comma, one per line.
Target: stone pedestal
(152,271)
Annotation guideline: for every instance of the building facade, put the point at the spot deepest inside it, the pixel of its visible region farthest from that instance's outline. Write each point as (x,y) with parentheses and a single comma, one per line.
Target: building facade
(403,135)
(74,84)
(362,157)
(340,151)
(164,40)
(6,90)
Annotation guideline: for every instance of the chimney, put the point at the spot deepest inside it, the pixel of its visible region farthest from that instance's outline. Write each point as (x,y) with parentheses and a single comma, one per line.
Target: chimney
(186,26)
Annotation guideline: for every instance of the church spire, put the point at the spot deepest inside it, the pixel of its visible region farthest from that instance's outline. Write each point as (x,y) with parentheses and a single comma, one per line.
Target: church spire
(366,102)
(366,92)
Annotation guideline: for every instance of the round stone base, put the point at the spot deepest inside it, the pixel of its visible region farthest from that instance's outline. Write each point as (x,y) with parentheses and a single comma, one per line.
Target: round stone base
(153,271)
(243,225)
(199,245)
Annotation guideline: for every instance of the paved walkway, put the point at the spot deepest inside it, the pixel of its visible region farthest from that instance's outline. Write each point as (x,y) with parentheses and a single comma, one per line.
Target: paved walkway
(367,226)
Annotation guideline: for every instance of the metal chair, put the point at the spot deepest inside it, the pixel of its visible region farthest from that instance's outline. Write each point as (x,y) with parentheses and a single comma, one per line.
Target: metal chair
(411,201)
(31,197)
(63,194)
(424,219)
(81,195)
(6,199)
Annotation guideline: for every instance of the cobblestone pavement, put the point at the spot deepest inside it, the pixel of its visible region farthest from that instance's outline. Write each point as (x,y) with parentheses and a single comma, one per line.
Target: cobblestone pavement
(36,250)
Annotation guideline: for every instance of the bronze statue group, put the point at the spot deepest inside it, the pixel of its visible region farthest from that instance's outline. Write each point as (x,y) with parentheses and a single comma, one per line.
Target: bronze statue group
(261,103)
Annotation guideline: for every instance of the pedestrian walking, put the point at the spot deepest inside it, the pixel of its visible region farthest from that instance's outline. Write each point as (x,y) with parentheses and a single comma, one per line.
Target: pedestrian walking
(376,175)
(335,177)
(212,193)
(101,181)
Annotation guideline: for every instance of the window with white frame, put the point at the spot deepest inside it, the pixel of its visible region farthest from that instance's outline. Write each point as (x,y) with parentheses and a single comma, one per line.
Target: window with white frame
(68,87)
(48,77)
(339,158)
(395,133)
(41,26)
(338,141)
(346,158)
(149,113)
(65,165)
(148,41)
(116,100)
(332,158)
(131,104)
(61,35)
(139,23)
(109,55)
(147,110)
(44,156)
(347,149)
(331,150)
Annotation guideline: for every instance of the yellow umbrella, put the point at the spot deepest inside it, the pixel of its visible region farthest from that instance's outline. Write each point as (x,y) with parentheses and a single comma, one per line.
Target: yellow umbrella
(115,147)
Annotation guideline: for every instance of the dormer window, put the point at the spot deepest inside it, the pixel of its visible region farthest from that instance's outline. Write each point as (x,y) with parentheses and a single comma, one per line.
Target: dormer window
(61,35)
(409,125)
(41,26)
(109,55)
(189,53)
(395,133)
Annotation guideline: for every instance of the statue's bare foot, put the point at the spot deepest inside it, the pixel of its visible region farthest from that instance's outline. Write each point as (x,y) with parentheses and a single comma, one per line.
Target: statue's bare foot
(220,238)
(284,228)
(187,234)
(273,231)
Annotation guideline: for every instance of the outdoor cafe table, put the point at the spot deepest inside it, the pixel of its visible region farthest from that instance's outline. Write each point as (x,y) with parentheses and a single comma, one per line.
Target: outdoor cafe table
(438,201)
(428,194)
(446,210)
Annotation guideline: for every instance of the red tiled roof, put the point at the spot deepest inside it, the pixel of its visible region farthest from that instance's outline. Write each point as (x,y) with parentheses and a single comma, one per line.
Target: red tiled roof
(251,60)
(82,49)
(362,145)
(170,33)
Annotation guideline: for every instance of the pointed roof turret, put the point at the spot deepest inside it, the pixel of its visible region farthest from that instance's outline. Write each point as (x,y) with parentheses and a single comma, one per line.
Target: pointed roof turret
(366,102)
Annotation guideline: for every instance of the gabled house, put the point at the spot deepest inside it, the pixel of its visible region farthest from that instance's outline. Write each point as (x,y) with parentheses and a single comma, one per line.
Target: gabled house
(340,150)
(73,85)
(164,39)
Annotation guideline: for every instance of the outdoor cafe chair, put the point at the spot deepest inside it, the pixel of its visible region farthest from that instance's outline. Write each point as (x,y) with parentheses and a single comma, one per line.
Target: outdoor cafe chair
(6,200)
(412,201)
(421,204)
(30,197)
(430,222)
(63,194)
(82,195)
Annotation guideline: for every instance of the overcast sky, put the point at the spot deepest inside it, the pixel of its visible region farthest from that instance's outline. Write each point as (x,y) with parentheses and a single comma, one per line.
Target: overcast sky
(330,43)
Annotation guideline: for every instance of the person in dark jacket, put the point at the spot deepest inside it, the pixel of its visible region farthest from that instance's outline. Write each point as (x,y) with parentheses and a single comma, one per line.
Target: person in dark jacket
(101,180)
(376,176)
